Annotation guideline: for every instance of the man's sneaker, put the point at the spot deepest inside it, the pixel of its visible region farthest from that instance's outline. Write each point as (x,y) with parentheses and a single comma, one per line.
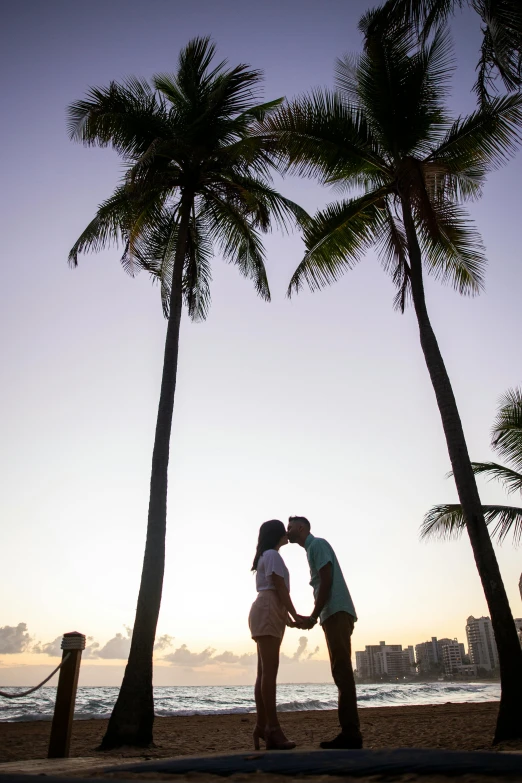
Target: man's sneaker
(341,742)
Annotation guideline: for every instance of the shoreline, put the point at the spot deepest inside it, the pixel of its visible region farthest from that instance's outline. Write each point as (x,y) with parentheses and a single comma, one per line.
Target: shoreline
(449,726)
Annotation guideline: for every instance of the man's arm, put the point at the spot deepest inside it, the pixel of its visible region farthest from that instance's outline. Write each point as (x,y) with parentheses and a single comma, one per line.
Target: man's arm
(323,594)
(325,588)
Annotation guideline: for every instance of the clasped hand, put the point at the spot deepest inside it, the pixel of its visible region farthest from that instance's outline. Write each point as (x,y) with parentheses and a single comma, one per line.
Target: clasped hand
(303,623)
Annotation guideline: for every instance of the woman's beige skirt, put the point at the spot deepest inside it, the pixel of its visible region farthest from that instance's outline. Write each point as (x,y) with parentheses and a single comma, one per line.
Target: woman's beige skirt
(267,616)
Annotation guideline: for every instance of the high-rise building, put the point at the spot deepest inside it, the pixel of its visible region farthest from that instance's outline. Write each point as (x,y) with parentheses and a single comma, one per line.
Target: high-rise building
(451,657)
(378,659)
(427,654)
(481,643)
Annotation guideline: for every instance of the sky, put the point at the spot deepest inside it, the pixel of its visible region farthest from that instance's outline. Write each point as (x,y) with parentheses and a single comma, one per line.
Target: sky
(320,405)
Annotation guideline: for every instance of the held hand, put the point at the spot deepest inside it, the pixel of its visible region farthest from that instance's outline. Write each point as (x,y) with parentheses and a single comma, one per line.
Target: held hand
(308,623)
(304,623)
(298,622)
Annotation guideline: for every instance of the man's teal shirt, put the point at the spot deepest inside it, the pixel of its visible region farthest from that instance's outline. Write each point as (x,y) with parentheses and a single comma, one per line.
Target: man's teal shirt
(319,553)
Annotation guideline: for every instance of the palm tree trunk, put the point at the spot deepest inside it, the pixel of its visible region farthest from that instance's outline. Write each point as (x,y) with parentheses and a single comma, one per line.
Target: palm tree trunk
(132,718)
(509,722)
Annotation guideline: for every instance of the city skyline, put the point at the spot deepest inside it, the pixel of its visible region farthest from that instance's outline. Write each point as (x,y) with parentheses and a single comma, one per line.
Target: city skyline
(445,655)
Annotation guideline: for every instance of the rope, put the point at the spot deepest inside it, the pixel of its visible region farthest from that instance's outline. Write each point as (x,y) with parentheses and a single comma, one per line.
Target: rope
(31,690)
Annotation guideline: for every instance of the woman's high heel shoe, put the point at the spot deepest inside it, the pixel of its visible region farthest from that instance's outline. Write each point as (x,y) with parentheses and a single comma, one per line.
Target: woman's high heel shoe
(276,740)
(258,734)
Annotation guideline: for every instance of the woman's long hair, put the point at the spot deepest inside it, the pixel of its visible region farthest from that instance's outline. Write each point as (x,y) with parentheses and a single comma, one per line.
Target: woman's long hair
(270,534)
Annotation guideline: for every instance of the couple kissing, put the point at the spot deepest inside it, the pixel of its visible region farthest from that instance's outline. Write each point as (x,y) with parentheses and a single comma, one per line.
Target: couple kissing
(273,610)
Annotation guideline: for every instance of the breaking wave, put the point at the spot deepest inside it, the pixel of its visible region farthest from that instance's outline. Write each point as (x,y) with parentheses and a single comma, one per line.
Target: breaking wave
(92,702)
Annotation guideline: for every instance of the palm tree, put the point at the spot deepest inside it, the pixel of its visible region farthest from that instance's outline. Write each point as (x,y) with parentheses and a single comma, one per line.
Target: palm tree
(385,133)
(448,520)
(197,178)
(501,25)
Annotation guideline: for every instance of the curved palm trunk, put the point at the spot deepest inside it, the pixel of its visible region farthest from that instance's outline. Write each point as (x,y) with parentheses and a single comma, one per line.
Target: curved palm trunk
(509,722)
(133,714)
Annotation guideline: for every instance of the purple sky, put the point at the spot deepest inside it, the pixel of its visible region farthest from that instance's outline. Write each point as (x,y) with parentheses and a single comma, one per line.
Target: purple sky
(321,405)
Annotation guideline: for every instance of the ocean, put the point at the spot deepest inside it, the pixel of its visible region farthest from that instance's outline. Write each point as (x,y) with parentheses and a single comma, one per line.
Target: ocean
(92,702)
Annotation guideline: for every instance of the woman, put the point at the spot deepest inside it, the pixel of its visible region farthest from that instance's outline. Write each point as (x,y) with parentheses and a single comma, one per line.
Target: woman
(267,620)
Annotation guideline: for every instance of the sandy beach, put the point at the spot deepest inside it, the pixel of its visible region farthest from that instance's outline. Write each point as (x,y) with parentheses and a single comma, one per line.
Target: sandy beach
(448,726)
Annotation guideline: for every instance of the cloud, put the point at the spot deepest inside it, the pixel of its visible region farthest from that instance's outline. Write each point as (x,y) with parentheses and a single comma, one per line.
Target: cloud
(91,648)
(54,649)
(163,642)
(248,659)
(300,653)
(303,642)
(117,647)
(14,639)
(50,648)
(185,657)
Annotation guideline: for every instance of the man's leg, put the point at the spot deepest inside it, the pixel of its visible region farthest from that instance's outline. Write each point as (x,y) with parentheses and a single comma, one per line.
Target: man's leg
(338,630)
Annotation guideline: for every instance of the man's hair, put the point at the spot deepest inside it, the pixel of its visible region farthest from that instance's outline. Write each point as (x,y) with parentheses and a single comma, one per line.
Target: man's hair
(300,521)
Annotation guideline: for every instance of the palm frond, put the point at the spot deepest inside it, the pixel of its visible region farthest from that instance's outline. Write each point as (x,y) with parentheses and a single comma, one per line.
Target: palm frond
(392,250)
(125,116)
(401,87)
(511,479)
(501,49)
(455,254)
(336,240)
(198,270)
(261,110)
(424,15)
(109,226)
(506,435)
(262,202)
(484,140)
(322,136)
(447,522)
(154,249)
(238,240)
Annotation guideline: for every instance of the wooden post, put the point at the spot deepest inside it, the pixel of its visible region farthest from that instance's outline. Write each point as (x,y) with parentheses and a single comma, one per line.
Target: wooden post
(72,645)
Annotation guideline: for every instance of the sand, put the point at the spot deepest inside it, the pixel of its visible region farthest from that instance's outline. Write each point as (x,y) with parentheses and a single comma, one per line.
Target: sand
(447,726)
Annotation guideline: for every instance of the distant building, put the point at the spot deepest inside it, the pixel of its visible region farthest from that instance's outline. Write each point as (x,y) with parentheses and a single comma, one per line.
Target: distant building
(381,659)
(427,655)
(481,643)
(467,670)
(451,657)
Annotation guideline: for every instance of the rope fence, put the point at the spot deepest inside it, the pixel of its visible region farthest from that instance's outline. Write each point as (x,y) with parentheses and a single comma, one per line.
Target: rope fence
(36,687)
(61,729)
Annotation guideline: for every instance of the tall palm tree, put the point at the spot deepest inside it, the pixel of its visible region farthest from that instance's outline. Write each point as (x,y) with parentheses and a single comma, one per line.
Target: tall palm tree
(197,178)
(385,133)
(501,25)
(448,520)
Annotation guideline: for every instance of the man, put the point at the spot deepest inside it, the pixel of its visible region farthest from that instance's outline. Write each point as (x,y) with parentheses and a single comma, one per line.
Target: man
(334,608)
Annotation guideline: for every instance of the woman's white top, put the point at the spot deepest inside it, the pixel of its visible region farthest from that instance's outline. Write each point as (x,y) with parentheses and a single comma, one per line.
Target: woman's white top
(270,563)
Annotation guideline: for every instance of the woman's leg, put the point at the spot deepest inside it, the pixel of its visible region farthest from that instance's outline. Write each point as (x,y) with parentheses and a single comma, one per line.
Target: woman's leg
(268,657)
(260,706)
